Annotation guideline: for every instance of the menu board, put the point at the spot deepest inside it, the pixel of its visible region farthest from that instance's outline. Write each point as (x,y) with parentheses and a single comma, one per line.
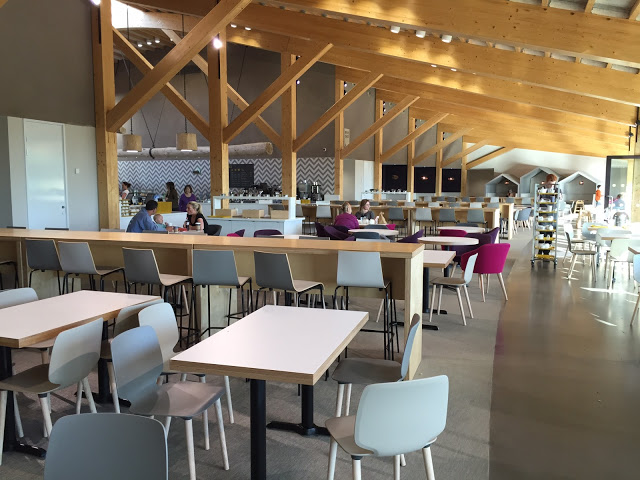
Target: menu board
(241,175)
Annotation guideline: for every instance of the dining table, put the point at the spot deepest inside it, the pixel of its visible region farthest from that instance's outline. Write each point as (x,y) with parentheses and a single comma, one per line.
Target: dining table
(383,232)
(278,344)
(31,323)
(463,228)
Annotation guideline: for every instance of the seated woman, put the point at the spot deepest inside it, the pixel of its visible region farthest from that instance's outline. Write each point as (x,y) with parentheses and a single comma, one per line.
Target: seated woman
(365,211)
(346,218)
(195,218)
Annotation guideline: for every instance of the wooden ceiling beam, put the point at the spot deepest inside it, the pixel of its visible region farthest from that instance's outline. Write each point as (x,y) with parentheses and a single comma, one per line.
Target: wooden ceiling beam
(273,91)
(465,152)
(635,10)
(440,145)
(532,144)
(589,6)
(489,156)
(144,66)
(210,25)
(340,106)
(412,136)
(378,125)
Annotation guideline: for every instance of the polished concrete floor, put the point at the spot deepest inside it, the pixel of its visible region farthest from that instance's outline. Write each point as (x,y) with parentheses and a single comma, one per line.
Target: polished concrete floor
(566,377)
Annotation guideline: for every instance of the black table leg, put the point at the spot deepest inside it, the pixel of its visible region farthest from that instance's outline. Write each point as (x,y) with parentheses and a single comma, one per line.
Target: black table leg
(306,427)
(258,430)
(11,443)
(103,395)
(425,299)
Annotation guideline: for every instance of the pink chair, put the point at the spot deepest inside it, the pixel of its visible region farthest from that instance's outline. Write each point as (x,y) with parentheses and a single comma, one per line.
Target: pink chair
(491,260)
(445,232)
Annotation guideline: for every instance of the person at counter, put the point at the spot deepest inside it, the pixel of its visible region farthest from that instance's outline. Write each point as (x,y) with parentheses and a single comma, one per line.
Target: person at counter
(346,218)
(143,219)
(186,197)
(365,210)
(172,196)
(125,190)
(195,218)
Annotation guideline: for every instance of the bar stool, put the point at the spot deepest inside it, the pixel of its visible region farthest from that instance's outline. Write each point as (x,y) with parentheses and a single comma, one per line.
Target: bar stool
(423,215)
(323,212)
(397,216)
(42,255)
(218,268)
(76,259)
(273,272)
(364,270)
(447,215)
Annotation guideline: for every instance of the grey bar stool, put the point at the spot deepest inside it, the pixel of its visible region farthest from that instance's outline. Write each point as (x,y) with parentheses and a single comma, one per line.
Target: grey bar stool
(423,215)
(476,215)
(42,256)
(323,214)
(447,215)
(218,268)
(364,270)
(273,272)
(76,259)
(397,216)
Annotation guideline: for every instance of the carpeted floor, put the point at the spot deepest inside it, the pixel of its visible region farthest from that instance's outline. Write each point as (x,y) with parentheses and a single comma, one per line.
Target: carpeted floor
(465,354)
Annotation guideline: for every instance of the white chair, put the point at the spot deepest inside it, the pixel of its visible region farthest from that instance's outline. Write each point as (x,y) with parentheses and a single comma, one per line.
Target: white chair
(75,352)
(475,205)
(576,252)
(323,212)
(618,253)
(456,283)
(382,428)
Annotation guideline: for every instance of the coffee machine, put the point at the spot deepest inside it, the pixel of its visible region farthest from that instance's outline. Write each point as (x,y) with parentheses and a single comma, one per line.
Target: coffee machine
(315,191)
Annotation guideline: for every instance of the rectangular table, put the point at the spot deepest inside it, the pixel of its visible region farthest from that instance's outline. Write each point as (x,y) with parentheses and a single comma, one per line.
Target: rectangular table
(30,323)
(281,344)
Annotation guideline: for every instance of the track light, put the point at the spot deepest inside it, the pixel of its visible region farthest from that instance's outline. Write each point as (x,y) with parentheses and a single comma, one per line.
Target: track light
(454,70)
(233,25)
(247,28)
(139,44)
(157,40)
(297,82)
(217,43)
(421,33)
(395,29)
(434,66)
(446,38)
(149,42)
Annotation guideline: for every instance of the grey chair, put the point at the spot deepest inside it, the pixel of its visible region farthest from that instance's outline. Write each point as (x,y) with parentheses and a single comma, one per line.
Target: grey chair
(381,428)
(568,230)
(137,362)
(368,371)
(42,256)
(364,270)
(439,199)
(494,199)
(434,204)
(76,259)
(75,353)
(85,446)
(575,252)
(115,230)
(455,283)
(454,204)
(367,235)
(273,273)
(397,216)
(466,199)
(423,215)
(57,228)
(409,204)
(161,232)
(447,215)
(390,203)
(493,205)
(450,199)
(323,214)
(510,200)
(475,204)
(218,268)
(476,216)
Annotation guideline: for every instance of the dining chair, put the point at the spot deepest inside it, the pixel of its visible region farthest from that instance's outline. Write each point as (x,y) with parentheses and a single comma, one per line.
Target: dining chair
(447,215)
(457,284)
(433,204)
(323,214)
(466,199)
(75,352)
(397,216)
(476,216)
(491,260)
(572,241)
(423,215)
(381,428)
(618,253)
(475,204)
(213,230)
(76,259)
(138,362)
(266,233)
(13,264)
(412,238)
(107,446)
(510,200)
(334,233)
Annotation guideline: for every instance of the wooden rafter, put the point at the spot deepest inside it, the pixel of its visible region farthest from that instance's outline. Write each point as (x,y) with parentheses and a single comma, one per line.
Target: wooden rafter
(210,25)
(441,144)
(413,135)
(545,3)
(144,66)
(635,10)
(489,156)
(2,2)
(465,152)
(379,124)
(589,6)
(345,101)
(273,91)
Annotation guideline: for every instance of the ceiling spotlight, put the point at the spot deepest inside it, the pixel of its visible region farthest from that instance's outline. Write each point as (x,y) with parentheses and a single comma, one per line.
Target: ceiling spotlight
(450,179)
(434,66)
(139,44)
(149,42)
(233,25)
(395,29)
(157,40)
(95,2)
(217,43)
(297,82)
(454,70)
(247,28)
(581,182)
(446,38)
(421,33)
(425,178)
(345,84)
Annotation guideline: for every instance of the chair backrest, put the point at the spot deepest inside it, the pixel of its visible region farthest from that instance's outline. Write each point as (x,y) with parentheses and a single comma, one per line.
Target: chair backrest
(416,323)
(409,204)
(341,228)
(569,235)
(75,352)
(438,199)
(213,230)
(636,268)
(161,232)
(273,270)
(454,204)
(365,234)
(426,198)
(128,317)
(468,269)
(323,211)
(491,258)
(161,318)
(17,296)
(434,204)
(359,269)
(510,200)
(392,431)
(447,215)
(466,199)
(266,232)
(75,257)
(620,249)
(412,238)
(112,230)
(140,266)
(137,362)
(392,203)
(493,205)
(87,446)
(524,214)
(475,205)
(493,233)
(276,206)
(423,215)
(494,199)
(239,233)
(396,213)
(332,233)
(215,267)
(42,254)
(475,215)
(452,232)
(375,226)
(320,230)
(450,199)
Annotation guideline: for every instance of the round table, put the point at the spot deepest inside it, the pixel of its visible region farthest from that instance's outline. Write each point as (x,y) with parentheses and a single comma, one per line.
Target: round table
(464,229)
(448,241)
(384,232)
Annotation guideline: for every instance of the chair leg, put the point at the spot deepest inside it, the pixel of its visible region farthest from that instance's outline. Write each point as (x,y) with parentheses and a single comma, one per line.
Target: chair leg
(466,294)
(464,320)
(433,302)
(440,299)
(44,404)
(379,311)
(87,391)
(114,387)
(396,467)
(79,399)
(227,392)
(403,461)
(635,311)
(573,264)
(340,395)
(428,463)
(16,414)
(482,286)
(188,427)
(355,462)
(3,415)
(504,289)
(223,440)
(348,402)
(333,452)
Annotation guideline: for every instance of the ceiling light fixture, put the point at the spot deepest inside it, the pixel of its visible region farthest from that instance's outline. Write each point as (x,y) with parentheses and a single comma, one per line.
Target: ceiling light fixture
(434,66)
(395,29)
(157,40)
(139,44)
(421,33)
(95,2)
(149,42)
(297,82)
(217,43)
(454,70)
(247,28)
(450,179)
(446,38)
(233,25)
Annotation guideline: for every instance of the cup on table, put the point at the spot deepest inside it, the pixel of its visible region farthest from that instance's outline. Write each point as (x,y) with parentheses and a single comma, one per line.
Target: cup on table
(169,227)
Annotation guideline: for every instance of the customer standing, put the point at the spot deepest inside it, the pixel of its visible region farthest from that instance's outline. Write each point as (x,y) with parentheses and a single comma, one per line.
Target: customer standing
(365,211)
(598,196)
(186,197)
(143,219)
(172,196)
(195,218)
(346,218)
(125,190)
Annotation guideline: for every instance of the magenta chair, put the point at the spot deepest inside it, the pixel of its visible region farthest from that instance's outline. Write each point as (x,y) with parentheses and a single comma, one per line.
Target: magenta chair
(483,239)
(445,232)
(335,234)
(491,260)
(412,238)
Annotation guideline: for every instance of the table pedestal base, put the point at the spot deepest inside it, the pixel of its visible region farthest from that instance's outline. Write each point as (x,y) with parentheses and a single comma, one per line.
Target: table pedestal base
(306,427)
(25,449)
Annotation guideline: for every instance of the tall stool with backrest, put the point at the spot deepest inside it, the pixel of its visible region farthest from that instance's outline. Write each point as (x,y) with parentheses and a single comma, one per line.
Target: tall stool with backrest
(447,215)
(323,214)
(126,447)
(423,215)
(476,216)
(381,429)
(397,216)
(491,260)
(457,284)
(75,353)
(42,255)
(576,252)
(137,361)
(76,259)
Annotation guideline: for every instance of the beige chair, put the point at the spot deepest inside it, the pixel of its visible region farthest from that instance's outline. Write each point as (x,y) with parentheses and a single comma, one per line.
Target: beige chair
(76,259)
(456,283)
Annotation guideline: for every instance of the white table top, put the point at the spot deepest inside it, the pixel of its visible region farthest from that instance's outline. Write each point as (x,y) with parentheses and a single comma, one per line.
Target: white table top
(283,344)
(443,240)
(437,258)
(31,323)
(464,229)
(385,232)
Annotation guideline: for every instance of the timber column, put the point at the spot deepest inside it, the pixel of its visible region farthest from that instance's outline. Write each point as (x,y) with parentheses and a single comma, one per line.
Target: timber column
(289,157)
(377,153)
(338,166)
(218,119)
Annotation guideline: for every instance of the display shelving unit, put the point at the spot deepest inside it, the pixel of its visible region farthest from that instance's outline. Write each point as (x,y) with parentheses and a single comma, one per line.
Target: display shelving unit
(545,231)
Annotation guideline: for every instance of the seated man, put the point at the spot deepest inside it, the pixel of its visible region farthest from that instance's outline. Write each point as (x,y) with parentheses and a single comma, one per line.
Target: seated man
(142,220)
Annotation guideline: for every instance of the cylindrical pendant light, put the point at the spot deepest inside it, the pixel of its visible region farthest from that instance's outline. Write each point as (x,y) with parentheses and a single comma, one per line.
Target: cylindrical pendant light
(186,142)
(132,143)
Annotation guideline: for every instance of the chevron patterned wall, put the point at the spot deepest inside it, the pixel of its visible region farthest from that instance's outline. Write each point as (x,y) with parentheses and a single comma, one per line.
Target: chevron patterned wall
(152,175)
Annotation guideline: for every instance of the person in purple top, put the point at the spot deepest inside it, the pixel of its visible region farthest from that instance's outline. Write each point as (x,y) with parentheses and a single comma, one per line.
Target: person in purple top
(346,218)
(186,197)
